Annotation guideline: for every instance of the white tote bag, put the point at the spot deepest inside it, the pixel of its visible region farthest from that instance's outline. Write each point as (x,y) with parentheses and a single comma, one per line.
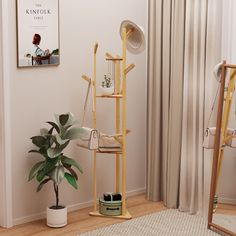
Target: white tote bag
(209,138)
(90,139)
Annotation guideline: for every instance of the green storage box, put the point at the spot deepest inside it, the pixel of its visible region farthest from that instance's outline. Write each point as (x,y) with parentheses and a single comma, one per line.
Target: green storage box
(110,208)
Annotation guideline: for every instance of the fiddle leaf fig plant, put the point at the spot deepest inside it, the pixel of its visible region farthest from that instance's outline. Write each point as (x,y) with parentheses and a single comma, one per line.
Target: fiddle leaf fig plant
(50,144)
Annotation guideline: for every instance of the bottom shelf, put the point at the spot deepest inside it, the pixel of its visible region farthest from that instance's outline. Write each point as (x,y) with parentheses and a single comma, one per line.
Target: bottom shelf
(127,216)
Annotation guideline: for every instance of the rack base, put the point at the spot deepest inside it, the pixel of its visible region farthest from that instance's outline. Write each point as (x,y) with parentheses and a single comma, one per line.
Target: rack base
(127,216)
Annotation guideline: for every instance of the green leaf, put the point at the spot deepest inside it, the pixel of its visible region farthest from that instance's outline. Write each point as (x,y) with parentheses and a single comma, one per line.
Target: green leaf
(41,151)
(63,119)
(64,164)
(40,175)
(63,146)
(50,131)
(49,166)
(39,141)
(59,140)
(57,174)
(74,133)
(71,180)
(54,125)
(53,152)
(71,162)
(50,141)
(34,151)
(68,167)
(34,170)
(71,121)
(42,184)
(73,173)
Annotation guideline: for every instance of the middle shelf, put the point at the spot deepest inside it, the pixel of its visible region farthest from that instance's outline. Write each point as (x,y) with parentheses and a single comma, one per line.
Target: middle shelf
(109,152)
(110,96)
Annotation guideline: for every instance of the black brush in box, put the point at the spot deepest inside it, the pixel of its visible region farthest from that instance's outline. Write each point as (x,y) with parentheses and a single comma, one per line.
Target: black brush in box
(110,204)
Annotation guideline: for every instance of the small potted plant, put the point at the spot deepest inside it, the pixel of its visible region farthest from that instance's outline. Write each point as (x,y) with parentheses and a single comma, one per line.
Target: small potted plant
(107,86)
(55,165)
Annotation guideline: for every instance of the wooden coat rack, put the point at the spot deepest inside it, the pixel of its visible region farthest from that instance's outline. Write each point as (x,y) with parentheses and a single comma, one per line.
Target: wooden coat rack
(121,129)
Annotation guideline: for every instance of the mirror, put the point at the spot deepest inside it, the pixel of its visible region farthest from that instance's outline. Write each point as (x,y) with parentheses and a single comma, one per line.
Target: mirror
(222,202)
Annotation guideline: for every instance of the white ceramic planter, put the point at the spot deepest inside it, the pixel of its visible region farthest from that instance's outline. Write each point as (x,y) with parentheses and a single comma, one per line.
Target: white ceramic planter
(56,217)
(107,91)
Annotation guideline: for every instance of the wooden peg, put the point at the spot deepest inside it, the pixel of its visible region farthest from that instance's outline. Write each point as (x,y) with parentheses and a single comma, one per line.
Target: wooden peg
(119,137)
(129,68)
(120,134)
(129,32)
(87,79)
(95,48)
(109,56)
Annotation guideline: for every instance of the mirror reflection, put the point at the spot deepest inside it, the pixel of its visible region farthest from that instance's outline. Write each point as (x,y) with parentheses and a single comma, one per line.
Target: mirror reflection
(222,208)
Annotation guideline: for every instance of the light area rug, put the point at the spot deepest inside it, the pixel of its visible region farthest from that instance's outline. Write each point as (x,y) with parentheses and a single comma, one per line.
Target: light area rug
(226,221)
(164,223)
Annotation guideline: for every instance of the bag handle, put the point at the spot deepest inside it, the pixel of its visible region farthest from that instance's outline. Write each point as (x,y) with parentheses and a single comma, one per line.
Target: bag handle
(216,97)
(90,82)
(213,105)
(217,74)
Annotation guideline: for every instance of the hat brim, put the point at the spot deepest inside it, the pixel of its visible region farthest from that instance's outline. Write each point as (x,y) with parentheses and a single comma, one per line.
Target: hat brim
(136,41)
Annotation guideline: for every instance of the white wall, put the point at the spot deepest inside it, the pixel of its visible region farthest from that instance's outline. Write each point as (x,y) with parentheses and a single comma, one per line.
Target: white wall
(37,93)
(227,190)
(1,130)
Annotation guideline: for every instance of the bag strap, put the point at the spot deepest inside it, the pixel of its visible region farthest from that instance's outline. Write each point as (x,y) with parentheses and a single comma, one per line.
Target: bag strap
(213,105)
(92,94)
(86,102)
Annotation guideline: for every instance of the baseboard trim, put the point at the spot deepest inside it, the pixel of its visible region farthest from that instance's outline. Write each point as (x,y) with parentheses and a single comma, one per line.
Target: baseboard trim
(75,207)
(136,192)
(226,200)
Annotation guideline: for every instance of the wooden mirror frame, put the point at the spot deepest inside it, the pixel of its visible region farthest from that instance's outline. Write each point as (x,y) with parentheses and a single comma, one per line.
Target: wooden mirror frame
(217,147)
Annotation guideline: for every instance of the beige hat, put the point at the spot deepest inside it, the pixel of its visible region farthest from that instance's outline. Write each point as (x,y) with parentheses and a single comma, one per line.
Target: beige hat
(136,41)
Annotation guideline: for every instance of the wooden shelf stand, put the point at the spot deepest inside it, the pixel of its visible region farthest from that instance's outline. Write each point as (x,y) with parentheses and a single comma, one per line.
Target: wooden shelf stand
(120,96)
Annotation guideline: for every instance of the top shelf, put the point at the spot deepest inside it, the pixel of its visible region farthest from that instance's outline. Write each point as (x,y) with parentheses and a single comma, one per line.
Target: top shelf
(110,96)
(114,59)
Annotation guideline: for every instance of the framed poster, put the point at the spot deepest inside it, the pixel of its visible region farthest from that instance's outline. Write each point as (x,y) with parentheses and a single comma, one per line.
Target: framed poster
(37,33)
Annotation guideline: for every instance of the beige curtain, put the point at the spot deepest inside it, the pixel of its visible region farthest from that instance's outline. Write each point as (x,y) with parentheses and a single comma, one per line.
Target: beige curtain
(202,52)
(180,60)
(166,58)
(191,174)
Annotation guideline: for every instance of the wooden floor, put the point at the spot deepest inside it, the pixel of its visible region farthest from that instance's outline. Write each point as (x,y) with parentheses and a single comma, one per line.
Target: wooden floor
(80,221)
(226,209)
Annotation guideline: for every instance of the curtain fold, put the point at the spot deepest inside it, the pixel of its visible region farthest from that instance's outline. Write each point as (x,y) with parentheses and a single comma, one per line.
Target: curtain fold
(191,173)
(166,54)
(154,149)
(202,52)
(180,59)
(213,56)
